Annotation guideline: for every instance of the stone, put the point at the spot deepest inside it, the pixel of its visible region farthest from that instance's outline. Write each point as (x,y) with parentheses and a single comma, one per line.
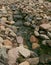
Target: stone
(35,45)
(20,39)
(49,34)
(25,63)
(13,55)
(36,33)
(44,58)
(7,43)
(43,36)
(44,42)
(1,40)
(3,19)
(33,61)
(3,53)
(1,64)
(40,1)
(10,22)
(27,23)
(33,39)
(48,42)
(23,51)
(12,33)
(45,26)
(2,28)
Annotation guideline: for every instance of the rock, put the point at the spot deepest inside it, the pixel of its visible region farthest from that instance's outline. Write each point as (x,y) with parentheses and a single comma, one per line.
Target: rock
(12,33)
(35,45)
(1,40)
(7,43)
(40,1)
(20,39)
(36,33)
(43,36)
(10,22)
(44,58)
(3,19)
(27,23)
(44,42)
(45,26)
(25,63)
(12,56)
(33,61)
(49,34)
(3,53)
(48,42)
(33,39)
(2,28)
(23,51)
(1,64)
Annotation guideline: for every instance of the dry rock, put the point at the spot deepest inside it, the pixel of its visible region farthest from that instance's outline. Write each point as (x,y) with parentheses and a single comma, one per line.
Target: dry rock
(25,63)
(35,45)
(33,61)
(33,39)
(23,51)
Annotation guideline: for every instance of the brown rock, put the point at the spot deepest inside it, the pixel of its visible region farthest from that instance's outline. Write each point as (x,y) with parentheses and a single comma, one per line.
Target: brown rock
(45,26)
(33,39)
(25,63)
(7,42)
(35,45)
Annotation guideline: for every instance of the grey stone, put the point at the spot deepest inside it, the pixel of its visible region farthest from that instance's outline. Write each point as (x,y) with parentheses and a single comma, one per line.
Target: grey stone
(43,36)
(49,34)
(36,33)
(48,42)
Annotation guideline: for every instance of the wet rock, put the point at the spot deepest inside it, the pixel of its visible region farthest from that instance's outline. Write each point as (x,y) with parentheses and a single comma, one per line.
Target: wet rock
(43,36)
(36,33)
(33,61)
(45,26)
(35,45)
(33,39)
(23,51)
(25,63)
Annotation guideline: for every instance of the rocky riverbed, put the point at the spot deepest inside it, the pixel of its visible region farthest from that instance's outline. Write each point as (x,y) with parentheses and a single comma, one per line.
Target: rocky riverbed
(25,32)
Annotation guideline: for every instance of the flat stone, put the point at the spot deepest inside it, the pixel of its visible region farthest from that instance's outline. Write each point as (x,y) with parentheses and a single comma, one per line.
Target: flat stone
(33,61)
(35,45)
(33,39)
(45,26)
(12,56)
(25,63)
(23,51)
(43,36)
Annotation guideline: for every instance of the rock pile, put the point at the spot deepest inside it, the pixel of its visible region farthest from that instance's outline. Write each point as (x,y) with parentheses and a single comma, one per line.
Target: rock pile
(25,32)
